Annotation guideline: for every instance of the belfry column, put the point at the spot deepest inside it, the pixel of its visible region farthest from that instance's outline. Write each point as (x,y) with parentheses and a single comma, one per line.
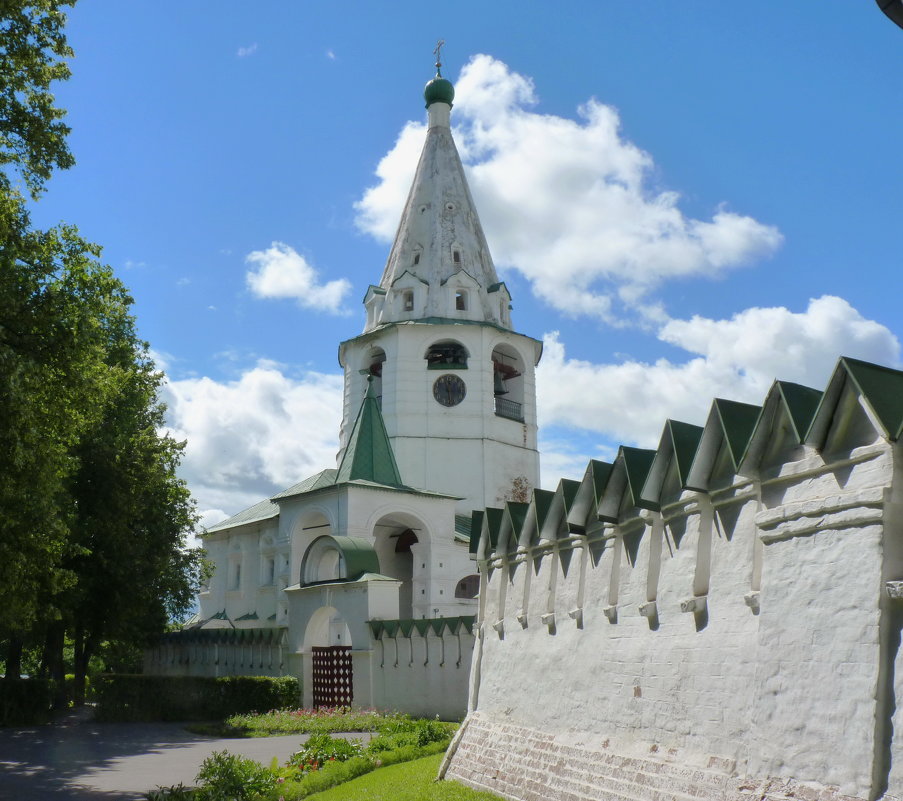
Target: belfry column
(456,383)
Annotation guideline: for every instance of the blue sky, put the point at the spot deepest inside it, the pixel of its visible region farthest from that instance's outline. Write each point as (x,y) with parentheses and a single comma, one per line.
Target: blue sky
(686,200)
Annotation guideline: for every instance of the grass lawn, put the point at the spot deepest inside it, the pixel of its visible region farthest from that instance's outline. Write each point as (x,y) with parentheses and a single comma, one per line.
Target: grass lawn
(409,781)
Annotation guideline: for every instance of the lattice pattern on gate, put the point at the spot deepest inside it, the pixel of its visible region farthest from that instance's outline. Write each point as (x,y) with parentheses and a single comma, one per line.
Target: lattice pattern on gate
(332,676)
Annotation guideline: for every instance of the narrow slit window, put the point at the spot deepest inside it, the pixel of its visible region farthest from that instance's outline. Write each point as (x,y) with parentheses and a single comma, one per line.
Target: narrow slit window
(416,258)
(456,256)
(408,300)
(461,300)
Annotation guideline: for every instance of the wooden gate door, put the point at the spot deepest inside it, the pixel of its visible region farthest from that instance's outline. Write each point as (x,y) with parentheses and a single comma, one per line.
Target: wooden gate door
(332,679)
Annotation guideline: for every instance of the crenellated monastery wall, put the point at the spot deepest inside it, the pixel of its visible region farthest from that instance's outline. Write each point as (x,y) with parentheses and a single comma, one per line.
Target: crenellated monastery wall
(736,643)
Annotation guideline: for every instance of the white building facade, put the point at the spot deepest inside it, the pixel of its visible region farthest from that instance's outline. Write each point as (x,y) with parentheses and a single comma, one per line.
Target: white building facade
(358,579)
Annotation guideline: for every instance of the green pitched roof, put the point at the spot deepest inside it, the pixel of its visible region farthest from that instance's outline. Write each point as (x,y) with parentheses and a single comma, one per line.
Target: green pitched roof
(264,510)
(569,489)
(462,528)
(476,526)
(592,488)
(684,440)
(637,462)
(882,388)
(801,403)
(542,502)
(516,514)
(325,478)
(677,445)
(737,422)
(494,524)
(369,456)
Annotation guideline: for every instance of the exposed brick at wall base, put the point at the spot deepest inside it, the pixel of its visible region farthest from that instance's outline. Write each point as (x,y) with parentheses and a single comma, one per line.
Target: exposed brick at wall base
(529,765)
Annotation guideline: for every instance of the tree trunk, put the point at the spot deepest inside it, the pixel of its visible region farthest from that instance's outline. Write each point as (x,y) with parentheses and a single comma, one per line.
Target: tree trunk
(14,658)
(85,646)
(53,655)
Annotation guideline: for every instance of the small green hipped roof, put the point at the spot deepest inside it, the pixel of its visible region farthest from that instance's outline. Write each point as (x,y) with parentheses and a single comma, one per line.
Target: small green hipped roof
(369,455)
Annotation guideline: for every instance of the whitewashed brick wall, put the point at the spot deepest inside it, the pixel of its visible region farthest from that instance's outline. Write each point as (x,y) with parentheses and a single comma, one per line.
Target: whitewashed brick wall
(765,689)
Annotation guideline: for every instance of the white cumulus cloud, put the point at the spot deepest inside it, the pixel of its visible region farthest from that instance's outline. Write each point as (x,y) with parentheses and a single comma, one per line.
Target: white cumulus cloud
(569,203)
(736,358)
(249,50)
(254,436)
(281,272)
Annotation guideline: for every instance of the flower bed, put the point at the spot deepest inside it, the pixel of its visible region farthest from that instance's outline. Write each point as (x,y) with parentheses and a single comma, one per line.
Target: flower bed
(321,762)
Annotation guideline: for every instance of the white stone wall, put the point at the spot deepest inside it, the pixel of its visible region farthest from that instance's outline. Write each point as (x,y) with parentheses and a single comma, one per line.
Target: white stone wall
(424,676)
(751,642)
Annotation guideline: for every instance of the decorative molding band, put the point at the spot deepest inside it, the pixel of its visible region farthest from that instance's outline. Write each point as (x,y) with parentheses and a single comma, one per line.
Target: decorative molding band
(813,465)
(802,518)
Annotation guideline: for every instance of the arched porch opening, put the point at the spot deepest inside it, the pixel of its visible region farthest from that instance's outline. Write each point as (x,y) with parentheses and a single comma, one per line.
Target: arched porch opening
(400,545)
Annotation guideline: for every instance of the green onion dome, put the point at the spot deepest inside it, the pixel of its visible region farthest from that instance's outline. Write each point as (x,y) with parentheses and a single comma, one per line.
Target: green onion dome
(438,90)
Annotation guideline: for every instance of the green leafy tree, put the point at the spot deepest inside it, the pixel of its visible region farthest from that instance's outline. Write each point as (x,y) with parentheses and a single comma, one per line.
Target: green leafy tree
(58,305)
(92,515)
(33,50)
(133,571)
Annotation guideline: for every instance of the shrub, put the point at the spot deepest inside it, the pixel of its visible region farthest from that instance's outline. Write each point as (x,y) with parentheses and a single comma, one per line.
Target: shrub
(229,777)
(178,792)
(135,697)
(321,748)
(301,721)
(25,701)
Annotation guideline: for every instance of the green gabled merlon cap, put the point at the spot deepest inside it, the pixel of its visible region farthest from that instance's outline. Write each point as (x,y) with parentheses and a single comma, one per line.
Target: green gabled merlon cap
(737,422)
(637,463)
(801,403)
(476,525)
(541,504)
(517,514)
(494,524)
(685,439)
(882,388)
(369,455)
(599,473)
(569,489)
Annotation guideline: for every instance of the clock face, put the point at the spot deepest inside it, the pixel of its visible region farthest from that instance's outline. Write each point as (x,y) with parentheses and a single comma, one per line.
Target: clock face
(449,390)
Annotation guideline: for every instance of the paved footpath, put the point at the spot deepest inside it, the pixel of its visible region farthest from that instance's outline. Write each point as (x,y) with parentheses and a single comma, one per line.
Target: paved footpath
(87,761)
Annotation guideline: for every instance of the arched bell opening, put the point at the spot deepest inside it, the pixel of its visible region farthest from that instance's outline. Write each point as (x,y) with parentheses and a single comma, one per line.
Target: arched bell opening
(373,364)
(508,382)
(446,355)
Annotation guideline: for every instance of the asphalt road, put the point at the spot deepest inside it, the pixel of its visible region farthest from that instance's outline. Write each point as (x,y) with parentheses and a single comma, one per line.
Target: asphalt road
(86,761)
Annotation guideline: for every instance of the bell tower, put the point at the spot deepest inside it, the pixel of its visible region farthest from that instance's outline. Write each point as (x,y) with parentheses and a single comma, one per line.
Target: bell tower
(455,382)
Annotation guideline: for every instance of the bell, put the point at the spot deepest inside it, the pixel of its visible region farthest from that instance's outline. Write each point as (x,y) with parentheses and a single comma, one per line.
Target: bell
(500,387)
